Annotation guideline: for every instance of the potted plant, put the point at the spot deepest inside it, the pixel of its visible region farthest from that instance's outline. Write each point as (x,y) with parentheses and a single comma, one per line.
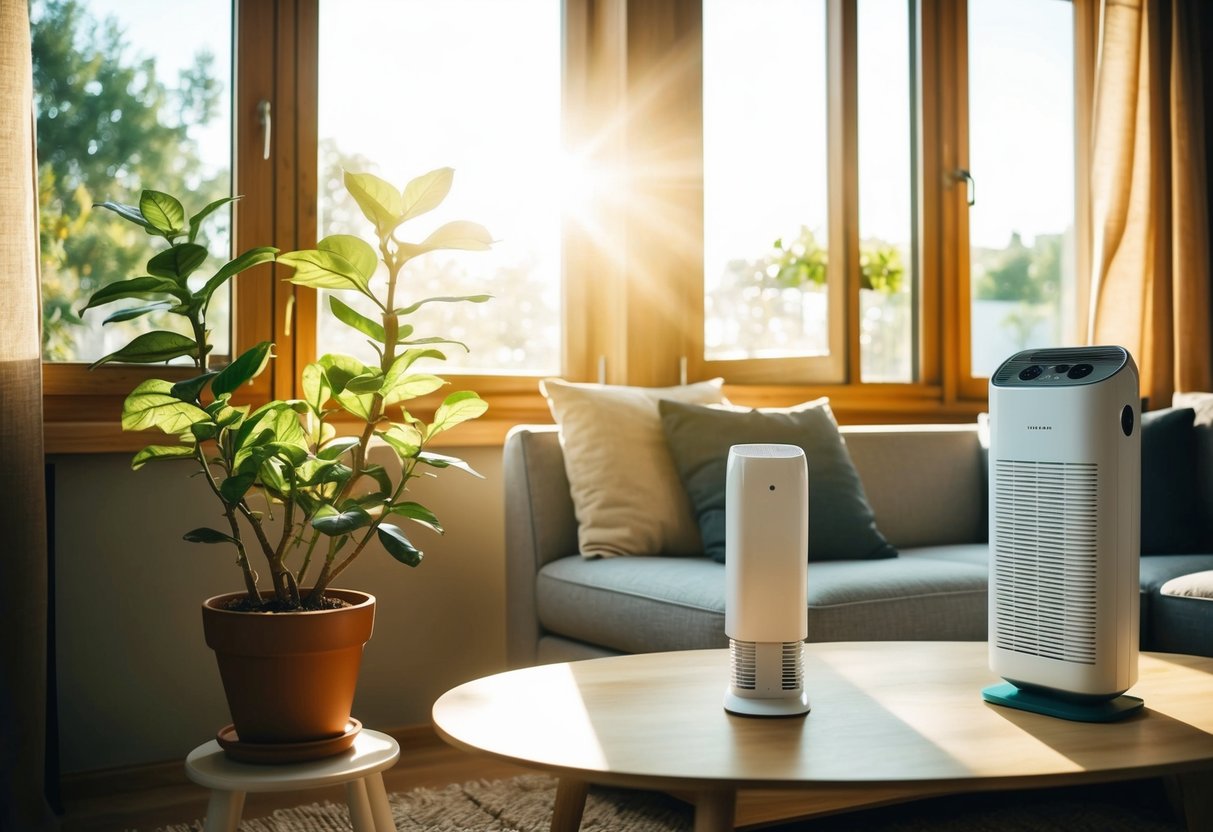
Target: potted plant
(299,496)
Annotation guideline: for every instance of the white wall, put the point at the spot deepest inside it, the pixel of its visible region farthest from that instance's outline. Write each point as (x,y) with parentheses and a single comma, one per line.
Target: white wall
(137,684)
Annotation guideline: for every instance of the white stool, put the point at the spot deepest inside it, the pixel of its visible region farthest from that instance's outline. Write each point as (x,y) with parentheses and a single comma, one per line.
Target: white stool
(358,768)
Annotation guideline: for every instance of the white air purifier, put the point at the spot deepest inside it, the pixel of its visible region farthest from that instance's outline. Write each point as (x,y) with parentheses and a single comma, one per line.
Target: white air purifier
(766,569)
(1065,506)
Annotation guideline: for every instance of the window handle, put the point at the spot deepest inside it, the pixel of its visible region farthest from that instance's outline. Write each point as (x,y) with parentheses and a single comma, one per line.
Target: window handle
(962,175)
(267,124)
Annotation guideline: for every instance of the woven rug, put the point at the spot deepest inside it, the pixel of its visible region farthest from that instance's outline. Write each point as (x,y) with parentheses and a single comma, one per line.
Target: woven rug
(524,804)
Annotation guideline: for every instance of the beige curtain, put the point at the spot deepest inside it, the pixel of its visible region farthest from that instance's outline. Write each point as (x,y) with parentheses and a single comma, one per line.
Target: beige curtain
(23,553)
(1149,284)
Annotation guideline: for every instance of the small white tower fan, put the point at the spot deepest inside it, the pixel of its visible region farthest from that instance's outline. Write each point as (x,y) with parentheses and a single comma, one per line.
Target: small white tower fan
(1065,505)
(766,568)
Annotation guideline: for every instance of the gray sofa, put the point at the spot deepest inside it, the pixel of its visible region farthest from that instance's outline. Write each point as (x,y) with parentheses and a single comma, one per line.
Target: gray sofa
(927,486)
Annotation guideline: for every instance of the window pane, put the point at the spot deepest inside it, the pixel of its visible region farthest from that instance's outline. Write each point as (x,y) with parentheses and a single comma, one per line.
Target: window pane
(1021,150)
(765,179)
(885,191)
(127,97)
(412,85)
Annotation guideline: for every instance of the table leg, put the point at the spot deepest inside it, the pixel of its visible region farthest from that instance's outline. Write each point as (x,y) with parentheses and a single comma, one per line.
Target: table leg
(570,803)
(361,818)
(380,808)
(223,811)
(1192,796)
(714,810)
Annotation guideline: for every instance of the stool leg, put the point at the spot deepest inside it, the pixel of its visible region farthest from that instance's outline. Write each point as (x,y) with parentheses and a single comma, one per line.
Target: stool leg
(360,808)
(223,811)
(380,809)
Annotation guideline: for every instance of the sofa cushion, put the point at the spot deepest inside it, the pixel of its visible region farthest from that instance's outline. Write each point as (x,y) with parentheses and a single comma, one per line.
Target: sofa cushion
(1170,519)
(648,604)
(626,493)
(1182,616)
(841,522)
(1202,403)
(1169,623)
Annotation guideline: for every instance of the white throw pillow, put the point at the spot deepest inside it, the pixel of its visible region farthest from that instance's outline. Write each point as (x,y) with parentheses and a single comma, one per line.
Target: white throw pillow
(625,488)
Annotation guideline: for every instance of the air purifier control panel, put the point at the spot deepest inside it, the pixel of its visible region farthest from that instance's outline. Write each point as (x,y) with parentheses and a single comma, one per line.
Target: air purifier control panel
(1060,367)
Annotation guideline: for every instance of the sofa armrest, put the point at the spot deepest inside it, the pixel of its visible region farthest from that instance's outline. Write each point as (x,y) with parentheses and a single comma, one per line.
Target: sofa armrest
(540,526)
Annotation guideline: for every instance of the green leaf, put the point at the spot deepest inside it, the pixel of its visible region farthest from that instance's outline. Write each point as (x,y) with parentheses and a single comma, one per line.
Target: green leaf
(151,348)
(409,310)
(224,414)
(162,212)
(324,270)
(381,477)
(328,520)
(177,262)
(365,383)
(418,513)
(153,453)
(460,234)
(358,321)
(443,461)
(406,359)
(380,202)
(337,447)
(405,440)
(436,340)
(398,545)
(456,408)
(144,288)
(191,389)
(410,387)
(202,431)
(355,250)
(205,535)
(127,212)
(153,405)
(316,388)
(426,192)
(136,312)
(235,487)
(245,368)
(196,220)
(250,258)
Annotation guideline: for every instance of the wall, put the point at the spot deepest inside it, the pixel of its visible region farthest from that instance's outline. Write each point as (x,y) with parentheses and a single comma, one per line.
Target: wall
(136,682)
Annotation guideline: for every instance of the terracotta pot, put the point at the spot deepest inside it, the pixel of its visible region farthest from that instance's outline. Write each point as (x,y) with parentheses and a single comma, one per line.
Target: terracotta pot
(289,677)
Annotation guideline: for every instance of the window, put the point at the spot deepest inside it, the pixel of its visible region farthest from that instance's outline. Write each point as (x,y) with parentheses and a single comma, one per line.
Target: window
(126,98)
(1021,152)
(777,190)
(471,85)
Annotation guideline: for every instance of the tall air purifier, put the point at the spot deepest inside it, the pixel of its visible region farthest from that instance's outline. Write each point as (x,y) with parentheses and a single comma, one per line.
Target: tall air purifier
(766,569)
(1065,506)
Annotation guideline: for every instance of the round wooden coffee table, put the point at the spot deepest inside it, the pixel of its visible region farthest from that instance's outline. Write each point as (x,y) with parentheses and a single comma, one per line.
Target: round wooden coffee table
(890,721)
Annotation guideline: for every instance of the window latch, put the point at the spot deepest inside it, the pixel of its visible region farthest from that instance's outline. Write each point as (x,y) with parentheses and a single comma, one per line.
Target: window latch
(267,124)
(962,175)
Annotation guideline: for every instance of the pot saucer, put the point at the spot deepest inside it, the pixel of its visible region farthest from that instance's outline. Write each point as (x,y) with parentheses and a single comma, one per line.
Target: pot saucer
(270,753)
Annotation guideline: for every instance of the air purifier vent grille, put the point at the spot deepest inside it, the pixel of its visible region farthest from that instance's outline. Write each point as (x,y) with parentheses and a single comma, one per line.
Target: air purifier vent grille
(1045,552)
(744,655)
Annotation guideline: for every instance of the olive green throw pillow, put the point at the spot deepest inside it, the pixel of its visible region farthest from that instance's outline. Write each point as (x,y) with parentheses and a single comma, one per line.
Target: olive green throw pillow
(841,523)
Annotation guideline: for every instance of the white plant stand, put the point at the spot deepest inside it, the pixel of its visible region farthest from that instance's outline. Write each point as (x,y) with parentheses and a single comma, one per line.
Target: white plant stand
(359,768)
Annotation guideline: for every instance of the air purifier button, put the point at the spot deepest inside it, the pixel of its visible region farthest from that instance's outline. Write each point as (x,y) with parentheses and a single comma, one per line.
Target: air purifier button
(1126,420)
(1080,371)
(1029,373)
(1061,368)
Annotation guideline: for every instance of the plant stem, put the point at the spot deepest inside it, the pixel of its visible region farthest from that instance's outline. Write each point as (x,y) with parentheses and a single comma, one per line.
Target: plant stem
(250,576)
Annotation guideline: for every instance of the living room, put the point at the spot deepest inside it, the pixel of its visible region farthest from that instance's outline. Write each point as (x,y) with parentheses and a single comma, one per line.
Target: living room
(661,183)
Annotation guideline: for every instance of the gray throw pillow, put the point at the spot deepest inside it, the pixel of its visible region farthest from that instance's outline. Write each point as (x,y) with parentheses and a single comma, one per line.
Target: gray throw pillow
(841,523)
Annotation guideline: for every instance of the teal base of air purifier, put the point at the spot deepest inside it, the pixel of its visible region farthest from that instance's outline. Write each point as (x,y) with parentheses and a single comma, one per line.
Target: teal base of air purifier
(1040,702)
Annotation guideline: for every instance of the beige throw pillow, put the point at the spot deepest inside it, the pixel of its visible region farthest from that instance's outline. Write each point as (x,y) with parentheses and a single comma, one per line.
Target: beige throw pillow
(626,491)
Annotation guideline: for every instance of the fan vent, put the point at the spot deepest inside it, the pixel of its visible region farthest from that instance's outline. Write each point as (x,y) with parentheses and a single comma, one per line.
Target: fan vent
(1045,551)
(744,656)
